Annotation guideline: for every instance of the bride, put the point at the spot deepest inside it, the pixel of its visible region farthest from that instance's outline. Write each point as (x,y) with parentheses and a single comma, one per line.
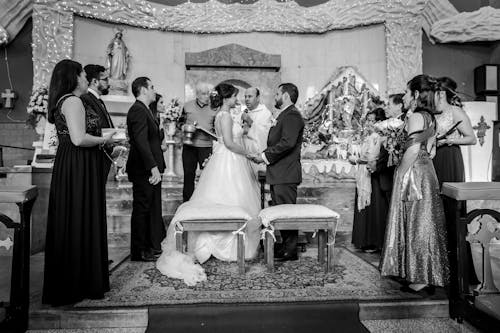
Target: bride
(226,180)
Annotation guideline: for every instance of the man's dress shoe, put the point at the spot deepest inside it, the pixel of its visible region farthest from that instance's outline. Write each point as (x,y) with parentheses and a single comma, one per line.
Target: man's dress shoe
(145,256)
(156,253)
(287,257)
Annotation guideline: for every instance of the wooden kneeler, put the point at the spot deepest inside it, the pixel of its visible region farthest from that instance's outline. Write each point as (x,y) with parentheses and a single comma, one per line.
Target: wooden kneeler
(321,220)
(326,238)
(238,226)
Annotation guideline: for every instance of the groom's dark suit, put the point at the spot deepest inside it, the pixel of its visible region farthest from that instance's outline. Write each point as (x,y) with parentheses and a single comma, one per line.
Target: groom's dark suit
(147,230)
(284,171)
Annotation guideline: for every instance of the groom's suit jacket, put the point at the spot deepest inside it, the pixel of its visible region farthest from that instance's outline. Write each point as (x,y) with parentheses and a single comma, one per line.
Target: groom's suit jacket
(145,142)
(283,148)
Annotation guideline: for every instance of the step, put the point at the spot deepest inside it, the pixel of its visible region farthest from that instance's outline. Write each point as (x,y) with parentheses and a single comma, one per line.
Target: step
(125,191)
(72,318)
(118,239)
(404,309)
(121,223)
(124,206)
(88,318)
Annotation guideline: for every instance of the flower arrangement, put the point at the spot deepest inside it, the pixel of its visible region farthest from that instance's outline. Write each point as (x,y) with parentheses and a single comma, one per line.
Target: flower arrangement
(37,106)
(173,110)
(393,131)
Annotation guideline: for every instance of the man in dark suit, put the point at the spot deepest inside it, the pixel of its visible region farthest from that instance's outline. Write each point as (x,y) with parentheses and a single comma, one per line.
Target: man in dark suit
(282,157)
(144,167)
(98,86)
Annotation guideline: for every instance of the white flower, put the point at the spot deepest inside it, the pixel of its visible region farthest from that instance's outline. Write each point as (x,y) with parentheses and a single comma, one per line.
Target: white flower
(273,122)
(389,124)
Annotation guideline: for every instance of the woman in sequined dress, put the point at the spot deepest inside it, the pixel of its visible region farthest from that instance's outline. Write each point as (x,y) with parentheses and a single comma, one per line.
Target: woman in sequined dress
(415,247)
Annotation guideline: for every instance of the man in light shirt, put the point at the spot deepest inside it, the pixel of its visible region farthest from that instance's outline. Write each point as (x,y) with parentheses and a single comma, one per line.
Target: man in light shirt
(257,117)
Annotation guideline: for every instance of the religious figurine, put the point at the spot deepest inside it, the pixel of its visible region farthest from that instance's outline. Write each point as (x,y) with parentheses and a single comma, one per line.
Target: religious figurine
(117,58)
(348,110)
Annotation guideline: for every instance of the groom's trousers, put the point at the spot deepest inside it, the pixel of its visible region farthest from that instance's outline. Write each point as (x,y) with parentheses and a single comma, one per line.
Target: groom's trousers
(282,194)
(147,229)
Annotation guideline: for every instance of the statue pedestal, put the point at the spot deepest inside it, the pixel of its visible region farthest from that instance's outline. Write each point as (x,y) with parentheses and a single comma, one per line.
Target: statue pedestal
(118,87)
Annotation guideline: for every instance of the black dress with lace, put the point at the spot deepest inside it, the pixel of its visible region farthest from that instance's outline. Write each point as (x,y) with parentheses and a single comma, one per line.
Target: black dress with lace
(76,249)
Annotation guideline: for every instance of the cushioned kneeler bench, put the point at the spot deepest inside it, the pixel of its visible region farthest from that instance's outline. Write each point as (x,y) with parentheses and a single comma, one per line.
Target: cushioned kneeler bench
(213,218)
(305,217)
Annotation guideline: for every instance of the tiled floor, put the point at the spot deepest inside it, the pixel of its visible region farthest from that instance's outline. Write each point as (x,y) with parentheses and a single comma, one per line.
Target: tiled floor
(422,325)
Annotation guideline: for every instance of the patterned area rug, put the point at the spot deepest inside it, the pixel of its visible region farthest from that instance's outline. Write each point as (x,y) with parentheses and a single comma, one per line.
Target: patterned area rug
(139,284)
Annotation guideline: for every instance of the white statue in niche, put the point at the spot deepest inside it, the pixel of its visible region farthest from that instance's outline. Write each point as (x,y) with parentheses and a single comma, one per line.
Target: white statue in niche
(117,58)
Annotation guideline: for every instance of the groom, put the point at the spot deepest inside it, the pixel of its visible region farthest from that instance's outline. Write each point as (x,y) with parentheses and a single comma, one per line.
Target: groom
(282,157)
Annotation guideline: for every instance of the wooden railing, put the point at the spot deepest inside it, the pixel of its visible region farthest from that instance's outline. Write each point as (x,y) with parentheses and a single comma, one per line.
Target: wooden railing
(16,318)
(480,306)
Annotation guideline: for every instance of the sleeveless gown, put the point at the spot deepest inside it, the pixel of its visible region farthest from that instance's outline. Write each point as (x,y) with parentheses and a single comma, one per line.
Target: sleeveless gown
(415,246)
(448,162)
(449,166)
(226,180)
(76,249)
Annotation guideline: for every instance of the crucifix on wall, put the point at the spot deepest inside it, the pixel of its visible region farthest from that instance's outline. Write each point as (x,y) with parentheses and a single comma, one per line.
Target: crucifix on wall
(8,96)
(481,129)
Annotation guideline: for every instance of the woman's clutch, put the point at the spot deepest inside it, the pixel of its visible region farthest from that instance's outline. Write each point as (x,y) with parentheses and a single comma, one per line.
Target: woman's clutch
(119,135)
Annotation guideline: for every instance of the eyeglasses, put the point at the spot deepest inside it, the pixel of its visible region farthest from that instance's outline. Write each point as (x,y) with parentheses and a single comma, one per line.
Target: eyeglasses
(104,79)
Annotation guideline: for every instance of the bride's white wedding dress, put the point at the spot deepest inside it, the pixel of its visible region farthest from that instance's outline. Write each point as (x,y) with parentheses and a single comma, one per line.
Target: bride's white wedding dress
(226,180)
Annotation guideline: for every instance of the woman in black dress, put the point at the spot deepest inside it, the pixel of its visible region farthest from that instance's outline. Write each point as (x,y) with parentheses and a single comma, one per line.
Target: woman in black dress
(76,251)
(369,223)
(448,162)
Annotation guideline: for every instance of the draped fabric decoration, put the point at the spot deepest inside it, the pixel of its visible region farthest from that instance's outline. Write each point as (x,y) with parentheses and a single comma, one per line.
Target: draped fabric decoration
(480,25)
(13,16)
(434,11)
(53,25)
(403,21)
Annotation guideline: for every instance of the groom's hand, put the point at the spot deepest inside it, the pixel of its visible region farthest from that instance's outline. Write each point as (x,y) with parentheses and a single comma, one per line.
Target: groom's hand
(155,176)
(256,158)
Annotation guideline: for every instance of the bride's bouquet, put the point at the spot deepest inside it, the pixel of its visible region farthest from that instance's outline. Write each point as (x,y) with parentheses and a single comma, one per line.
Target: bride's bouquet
(393,131)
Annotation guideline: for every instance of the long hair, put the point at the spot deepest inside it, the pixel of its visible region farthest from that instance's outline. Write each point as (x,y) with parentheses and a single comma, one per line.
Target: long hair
(426,87)
(64,80)
(221,91)
(449,86)
(154,105)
